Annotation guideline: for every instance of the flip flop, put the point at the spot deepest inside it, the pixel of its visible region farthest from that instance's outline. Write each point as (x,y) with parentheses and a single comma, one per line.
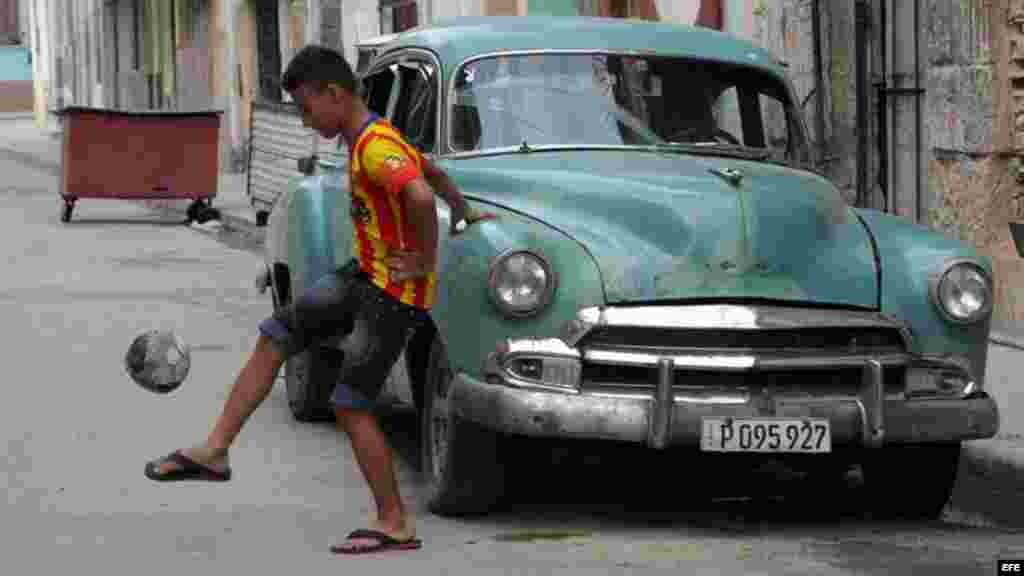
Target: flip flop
(187,469)
(384,543)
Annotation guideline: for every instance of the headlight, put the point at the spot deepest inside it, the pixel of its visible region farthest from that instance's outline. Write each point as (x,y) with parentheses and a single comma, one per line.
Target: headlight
(963,293)
(521,283)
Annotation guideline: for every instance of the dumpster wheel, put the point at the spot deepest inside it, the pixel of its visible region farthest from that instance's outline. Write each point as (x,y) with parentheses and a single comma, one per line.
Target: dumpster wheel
(66,210)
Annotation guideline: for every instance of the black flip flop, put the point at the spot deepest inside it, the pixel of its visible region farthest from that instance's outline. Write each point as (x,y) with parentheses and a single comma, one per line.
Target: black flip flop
(187,469)
(384,543)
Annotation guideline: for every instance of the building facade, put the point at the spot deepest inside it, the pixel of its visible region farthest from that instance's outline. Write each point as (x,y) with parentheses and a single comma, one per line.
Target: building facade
(15,58)
(911,105)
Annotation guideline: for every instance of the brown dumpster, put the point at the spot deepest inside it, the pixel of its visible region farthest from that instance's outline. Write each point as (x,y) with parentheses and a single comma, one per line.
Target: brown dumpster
(139,155)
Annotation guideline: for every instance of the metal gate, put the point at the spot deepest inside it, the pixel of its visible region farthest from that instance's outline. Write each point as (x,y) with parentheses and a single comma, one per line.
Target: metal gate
(277,141)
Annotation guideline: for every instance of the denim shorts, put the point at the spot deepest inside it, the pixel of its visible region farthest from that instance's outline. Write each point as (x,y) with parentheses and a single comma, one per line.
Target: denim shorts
(345,303)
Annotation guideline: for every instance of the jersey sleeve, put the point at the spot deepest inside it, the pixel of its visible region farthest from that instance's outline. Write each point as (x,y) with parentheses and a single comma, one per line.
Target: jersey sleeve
(388,165)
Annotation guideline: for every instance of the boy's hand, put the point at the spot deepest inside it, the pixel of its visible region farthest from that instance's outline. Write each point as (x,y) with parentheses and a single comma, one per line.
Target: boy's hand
(405,265)
(467,216)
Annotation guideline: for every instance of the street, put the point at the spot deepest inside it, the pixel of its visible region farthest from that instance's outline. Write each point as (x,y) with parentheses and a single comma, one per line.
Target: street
(78,432)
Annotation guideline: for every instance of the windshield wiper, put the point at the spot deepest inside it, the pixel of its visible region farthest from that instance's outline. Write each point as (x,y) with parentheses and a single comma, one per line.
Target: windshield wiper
(716,148)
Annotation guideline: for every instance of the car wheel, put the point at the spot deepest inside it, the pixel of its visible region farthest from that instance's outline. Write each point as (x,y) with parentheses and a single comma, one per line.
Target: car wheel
(910,482)
(309,379)
(66,210)
(460,460)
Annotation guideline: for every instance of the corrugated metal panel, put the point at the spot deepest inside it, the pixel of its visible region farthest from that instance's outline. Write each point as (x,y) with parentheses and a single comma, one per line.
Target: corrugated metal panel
(277,141)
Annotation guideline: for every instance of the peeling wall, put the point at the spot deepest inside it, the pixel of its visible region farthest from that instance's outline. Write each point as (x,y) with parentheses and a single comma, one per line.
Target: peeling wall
(972,54)
(785,27)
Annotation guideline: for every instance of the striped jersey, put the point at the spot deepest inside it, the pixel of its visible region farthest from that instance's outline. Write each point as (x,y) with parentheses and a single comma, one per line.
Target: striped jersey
(381,164)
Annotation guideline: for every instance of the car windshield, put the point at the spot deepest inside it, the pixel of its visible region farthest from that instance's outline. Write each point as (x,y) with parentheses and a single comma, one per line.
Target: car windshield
(561,99)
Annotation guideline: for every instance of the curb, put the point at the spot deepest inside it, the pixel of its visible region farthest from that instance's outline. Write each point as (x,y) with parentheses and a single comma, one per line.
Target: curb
(1006,339)
(229,221)
(988,490)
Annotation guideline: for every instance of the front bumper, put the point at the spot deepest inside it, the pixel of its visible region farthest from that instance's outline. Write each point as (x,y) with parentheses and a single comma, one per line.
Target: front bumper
(551,414)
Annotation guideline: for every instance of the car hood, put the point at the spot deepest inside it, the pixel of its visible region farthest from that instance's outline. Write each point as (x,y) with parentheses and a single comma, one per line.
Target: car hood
(664,226)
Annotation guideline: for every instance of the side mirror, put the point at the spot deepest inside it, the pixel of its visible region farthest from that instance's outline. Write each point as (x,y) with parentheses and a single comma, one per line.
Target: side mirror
(307,165)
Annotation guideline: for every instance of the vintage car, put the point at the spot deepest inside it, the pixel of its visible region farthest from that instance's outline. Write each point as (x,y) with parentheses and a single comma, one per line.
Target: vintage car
(667,268)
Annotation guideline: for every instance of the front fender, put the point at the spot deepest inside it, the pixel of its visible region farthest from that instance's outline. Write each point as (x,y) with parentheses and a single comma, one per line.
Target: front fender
(463,311)
(909,254)
(317,240)
(320,240)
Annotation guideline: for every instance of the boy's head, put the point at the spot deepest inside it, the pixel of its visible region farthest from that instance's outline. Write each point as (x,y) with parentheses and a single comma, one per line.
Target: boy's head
(323,85)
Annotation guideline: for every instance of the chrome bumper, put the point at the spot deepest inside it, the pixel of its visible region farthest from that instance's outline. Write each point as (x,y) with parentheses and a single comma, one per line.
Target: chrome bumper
(659,422)
(541,387)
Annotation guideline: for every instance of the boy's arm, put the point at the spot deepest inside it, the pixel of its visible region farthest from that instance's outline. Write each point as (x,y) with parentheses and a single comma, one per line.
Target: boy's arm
(419,202)
(449,192)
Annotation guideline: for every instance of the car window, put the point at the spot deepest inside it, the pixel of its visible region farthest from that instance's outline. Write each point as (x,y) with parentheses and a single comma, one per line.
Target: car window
(377,89)
(560,99)
(416,110)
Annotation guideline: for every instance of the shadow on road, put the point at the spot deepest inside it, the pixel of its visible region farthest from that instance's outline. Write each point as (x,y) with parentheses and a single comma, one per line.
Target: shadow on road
(575,483)
(89,222)
(630,485)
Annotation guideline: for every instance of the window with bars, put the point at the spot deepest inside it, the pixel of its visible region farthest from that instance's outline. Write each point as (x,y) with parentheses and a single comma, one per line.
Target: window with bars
(398,16)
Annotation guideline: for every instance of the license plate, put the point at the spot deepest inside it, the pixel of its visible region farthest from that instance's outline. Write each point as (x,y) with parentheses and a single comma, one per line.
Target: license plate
(809,435)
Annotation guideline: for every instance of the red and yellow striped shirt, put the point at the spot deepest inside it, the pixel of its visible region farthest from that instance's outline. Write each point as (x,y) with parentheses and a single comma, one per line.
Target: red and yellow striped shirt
(382,163)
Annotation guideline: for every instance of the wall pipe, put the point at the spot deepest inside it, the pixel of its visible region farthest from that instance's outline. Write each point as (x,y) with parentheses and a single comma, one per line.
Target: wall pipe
(919,122)
(819,74)
(883,105)
(860,37)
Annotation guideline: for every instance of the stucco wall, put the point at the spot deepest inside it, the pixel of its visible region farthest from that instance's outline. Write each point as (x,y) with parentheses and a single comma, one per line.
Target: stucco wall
(971,191)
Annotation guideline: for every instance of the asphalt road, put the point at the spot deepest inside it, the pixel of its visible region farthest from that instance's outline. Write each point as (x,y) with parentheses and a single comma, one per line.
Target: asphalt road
(78,432)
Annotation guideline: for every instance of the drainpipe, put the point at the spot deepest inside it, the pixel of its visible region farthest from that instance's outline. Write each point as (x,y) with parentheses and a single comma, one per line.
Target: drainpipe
(861,39)
(819,78)
(906,136)
(882,86)
(919,121)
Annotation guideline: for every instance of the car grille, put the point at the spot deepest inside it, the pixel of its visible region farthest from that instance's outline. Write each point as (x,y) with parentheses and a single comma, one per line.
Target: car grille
(804,339)
(803,343)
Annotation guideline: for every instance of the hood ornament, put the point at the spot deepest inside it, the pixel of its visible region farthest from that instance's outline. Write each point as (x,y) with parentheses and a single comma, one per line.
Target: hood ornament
(730,175)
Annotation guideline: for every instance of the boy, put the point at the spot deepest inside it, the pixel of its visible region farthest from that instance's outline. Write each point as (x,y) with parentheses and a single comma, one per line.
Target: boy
(387,290)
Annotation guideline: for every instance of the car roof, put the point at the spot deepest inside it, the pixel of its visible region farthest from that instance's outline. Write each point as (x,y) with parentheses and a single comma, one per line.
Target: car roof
(456,39)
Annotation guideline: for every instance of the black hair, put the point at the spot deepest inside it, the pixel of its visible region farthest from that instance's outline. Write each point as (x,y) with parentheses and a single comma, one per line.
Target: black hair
(318,66)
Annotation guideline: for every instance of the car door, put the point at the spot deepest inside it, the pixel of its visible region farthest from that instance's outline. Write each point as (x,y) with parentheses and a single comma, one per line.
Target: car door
(412,106)
(379,90)
(415,114)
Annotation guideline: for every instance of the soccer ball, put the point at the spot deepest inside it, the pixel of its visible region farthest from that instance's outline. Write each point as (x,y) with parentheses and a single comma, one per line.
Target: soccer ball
(158,360)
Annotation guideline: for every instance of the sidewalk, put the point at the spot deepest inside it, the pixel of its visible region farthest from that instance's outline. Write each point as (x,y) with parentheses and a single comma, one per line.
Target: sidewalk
(989,486)
(19,137)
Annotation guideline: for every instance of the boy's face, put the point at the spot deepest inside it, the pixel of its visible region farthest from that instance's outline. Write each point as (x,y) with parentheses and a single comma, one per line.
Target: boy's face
(325,111)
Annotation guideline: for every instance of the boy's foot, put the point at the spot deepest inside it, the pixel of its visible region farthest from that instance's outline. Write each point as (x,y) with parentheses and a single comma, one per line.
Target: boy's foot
(367,541)
(189,464)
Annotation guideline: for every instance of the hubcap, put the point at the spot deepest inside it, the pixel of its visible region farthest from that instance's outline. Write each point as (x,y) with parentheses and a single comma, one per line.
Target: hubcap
(439,422)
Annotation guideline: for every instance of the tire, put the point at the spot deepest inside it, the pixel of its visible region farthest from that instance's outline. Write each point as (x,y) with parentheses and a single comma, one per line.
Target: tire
(464,471)
(66,210)
(262,217)
(309,379)
(912,482)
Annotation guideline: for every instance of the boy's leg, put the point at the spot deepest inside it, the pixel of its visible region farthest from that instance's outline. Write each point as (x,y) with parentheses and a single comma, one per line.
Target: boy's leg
(380,333)
(376,461)
(320,313)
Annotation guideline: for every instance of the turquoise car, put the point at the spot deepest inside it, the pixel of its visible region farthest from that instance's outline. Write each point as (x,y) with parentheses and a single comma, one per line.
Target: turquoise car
(667,268)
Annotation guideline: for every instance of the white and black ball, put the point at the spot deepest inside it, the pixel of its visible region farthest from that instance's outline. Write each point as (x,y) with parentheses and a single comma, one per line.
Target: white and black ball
(158,361)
